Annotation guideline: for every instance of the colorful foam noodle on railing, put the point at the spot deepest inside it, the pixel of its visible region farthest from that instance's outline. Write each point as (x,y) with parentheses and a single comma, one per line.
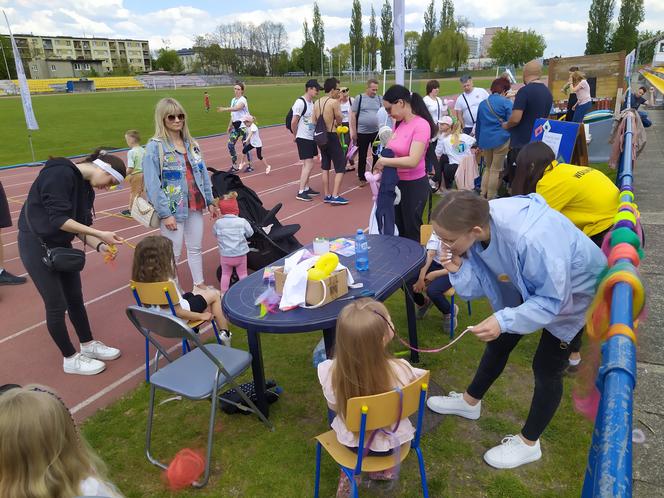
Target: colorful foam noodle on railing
(613,320)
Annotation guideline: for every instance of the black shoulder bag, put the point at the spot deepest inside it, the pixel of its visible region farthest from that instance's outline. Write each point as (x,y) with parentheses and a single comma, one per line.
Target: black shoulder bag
(63,259)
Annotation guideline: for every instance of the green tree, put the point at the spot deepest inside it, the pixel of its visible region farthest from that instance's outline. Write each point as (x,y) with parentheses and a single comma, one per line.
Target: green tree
(355,34)
(168,60)
(447,15)
(430,19)
(411,40)
(647,51)
(309,57)
(372,39)
(318,36)
(448,49)
(296,59)
(340,58)
(282,64)
(626,35)
(386,36)
(599,26)
(306,32)
(428,34)
(514,47)
(9,55)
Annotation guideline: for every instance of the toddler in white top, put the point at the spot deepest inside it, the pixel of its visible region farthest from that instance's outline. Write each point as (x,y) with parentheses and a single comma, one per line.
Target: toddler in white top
(232,233)
(253,141)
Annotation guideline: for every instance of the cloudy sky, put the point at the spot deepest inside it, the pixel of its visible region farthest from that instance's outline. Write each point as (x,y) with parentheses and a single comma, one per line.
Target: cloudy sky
(562,22)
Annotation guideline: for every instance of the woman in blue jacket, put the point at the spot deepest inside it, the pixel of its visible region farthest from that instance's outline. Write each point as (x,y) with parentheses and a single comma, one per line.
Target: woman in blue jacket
(178,184)
(538,271)
(492,139)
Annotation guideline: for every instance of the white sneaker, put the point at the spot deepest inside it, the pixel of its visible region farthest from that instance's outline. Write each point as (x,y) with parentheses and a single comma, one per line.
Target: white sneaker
(226,336)
(447,319)
(454,404)
(512,452)
(80,364)
(100,351)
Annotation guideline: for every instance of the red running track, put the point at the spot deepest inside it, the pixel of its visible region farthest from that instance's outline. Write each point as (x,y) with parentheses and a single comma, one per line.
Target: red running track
(28,353)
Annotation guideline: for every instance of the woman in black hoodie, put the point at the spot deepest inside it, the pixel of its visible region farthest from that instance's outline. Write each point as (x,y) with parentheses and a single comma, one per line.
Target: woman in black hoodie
(58,208)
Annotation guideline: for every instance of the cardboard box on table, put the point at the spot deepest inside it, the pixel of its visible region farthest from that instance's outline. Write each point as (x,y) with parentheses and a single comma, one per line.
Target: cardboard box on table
(336,284)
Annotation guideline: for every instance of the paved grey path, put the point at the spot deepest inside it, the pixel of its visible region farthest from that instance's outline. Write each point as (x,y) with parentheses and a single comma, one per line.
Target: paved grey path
(649,394)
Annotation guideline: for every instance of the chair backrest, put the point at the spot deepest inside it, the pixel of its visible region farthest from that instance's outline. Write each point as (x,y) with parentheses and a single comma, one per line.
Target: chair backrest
(150,322)
(383,409)
(154,293)
(425,234)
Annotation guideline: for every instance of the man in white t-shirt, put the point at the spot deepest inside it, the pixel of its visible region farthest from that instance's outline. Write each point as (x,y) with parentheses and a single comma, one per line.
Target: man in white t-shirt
(303,126)
(239,108)
(467,103)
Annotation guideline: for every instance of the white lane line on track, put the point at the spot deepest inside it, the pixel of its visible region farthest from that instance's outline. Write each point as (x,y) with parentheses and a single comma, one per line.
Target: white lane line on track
(207,150)
(124,287)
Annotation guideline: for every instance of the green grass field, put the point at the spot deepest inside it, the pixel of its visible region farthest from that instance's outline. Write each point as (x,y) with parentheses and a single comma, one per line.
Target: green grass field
(251,461)
(76,124)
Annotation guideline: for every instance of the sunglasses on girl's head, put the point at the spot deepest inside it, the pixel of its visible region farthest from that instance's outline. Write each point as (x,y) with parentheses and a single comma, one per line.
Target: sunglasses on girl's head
(171,117)
(345,90)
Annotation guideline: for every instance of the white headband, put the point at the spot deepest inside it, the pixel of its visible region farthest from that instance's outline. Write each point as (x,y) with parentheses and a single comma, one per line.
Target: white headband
(107,167)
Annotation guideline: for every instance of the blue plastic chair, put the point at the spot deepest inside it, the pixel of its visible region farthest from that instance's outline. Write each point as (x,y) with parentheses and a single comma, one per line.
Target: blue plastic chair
(200,374)
(369,413)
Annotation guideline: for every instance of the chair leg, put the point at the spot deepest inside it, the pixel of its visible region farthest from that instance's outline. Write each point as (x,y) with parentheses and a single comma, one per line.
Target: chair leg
(213,414)
(423,473)
(317,480)
(148,432)
(452,318)
(216,331)
(250,404)
(470,311)
(350,473)
(147,360)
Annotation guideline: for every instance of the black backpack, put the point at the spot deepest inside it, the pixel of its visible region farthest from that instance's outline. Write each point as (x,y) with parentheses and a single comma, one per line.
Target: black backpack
(320,131)
(289,116)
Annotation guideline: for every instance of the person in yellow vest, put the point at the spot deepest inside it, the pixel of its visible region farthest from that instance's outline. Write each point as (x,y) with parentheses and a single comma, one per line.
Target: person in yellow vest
(586,196)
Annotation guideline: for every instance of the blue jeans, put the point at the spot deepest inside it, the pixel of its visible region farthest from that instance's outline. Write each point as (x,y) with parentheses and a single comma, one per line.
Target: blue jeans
(437,288)
(581,111)
(644,119)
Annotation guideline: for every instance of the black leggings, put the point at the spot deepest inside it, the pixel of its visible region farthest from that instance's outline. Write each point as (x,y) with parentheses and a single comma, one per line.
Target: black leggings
(430,158)
(548,364)
(408,213)
(364,142)
(60,291)
(449,170)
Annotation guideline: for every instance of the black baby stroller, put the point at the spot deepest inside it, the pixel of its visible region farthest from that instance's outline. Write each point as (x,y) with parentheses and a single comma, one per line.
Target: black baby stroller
(271,240)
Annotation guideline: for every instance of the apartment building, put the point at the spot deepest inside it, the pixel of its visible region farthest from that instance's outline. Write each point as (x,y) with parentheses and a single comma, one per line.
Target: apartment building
(485,43)
(64,56)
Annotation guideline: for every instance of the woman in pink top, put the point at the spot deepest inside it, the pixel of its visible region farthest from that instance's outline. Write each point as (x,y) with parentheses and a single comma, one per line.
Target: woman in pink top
(363,366)
(413,130)
(579,85)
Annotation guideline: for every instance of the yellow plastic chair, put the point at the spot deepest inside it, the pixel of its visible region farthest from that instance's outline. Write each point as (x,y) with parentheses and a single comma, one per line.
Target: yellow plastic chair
(162,294)
(369,413)
(425,235)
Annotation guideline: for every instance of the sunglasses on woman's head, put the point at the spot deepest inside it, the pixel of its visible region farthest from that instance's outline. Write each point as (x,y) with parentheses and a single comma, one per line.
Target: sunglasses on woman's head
(345,90)
(171,117)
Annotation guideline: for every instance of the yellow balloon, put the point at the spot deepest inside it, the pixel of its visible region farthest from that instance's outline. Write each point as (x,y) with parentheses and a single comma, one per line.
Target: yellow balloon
(324,267)
(344,129)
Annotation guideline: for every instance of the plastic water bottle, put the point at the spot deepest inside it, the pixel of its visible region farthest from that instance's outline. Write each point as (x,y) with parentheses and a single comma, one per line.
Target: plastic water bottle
(361,251)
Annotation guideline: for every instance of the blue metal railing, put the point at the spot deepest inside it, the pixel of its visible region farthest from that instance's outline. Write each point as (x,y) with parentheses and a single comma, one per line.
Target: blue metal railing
(609,470)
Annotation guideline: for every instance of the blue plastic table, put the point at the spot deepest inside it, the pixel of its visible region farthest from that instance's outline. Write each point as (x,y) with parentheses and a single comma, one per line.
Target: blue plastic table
(392,262)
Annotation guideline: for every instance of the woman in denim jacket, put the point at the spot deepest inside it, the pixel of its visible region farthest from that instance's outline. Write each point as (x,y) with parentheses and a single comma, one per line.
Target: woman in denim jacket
(178,184)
